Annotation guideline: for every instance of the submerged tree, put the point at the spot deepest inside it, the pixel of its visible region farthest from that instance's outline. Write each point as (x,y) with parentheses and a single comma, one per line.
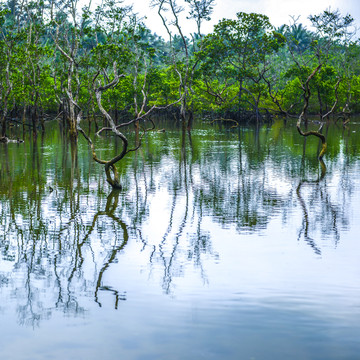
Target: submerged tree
(110,164)
(330,28)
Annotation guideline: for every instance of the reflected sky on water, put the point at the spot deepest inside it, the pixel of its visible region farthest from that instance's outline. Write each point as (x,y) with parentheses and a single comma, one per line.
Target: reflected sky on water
(226,243)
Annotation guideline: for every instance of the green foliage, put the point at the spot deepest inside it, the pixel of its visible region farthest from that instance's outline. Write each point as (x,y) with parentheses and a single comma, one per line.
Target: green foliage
(242,65)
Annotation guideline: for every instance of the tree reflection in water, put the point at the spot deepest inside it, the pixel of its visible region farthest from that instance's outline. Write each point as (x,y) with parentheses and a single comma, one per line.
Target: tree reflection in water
(111,205)
(46,243)
(322,214)
(60,234)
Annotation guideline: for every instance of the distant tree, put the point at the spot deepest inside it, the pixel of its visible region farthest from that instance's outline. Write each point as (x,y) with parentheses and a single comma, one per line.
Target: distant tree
(183,63)
(299,35)
(237,51)
(200,10)
(7,44)
(69,27)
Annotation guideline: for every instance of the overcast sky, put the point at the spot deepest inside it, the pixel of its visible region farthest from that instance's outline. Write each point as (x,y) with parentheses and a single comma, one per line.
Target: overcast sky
(278,11)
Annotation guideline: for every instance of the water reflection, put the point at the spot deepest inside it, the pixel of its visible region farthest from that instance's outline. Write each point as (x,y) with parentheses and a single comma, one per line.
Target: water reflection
(111,205)
(67,243)
(324,213)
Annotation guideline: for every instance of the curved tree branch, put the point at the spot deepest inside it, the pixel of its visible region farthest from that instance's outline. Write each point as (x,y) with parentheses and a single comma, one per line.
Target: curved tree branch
(114,182)
(307,94)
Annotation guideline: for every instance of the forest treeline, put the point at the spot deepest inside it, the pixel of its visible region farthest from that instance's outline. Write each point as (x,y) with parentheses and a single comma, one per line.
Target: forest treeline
(61,59)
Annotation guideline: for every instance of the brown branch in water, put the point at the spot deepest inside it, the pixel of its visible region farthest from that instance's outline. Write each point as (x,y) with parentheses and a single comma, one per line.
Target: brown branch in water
(307,94)
(92,146)
(113,179)
(222,119)
(110,165)
(317,134)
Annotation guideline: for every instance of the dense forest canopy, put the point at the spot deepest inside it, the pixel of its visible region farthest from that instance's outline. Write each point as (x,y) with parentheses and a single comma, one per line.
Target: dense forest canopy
(60,59)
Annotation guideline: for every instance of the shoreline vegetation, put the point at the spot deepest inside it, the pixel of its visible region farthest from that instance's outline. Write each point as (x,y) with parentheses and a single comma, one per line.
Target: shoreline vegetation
(62,61)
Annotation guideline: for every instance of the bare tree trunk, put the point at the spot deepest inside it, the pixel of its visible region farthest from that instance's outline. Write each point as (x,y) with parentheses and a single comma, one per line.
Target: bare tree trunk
(307,94)
(5,101)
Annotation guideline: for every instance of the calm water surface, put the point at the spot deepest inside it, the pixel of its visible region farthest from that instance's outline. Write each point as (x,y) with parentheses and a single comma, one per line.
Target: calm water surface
(226,244)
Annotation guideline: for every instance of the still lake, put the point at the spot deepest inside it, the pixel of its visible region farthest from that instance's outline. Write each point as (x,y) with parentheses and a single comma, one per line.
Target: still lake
(229,243)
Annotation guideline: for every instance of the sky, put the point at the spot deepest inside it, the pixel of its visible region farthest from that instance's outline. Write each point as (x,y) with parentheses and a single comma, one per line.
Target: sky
(279,11)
